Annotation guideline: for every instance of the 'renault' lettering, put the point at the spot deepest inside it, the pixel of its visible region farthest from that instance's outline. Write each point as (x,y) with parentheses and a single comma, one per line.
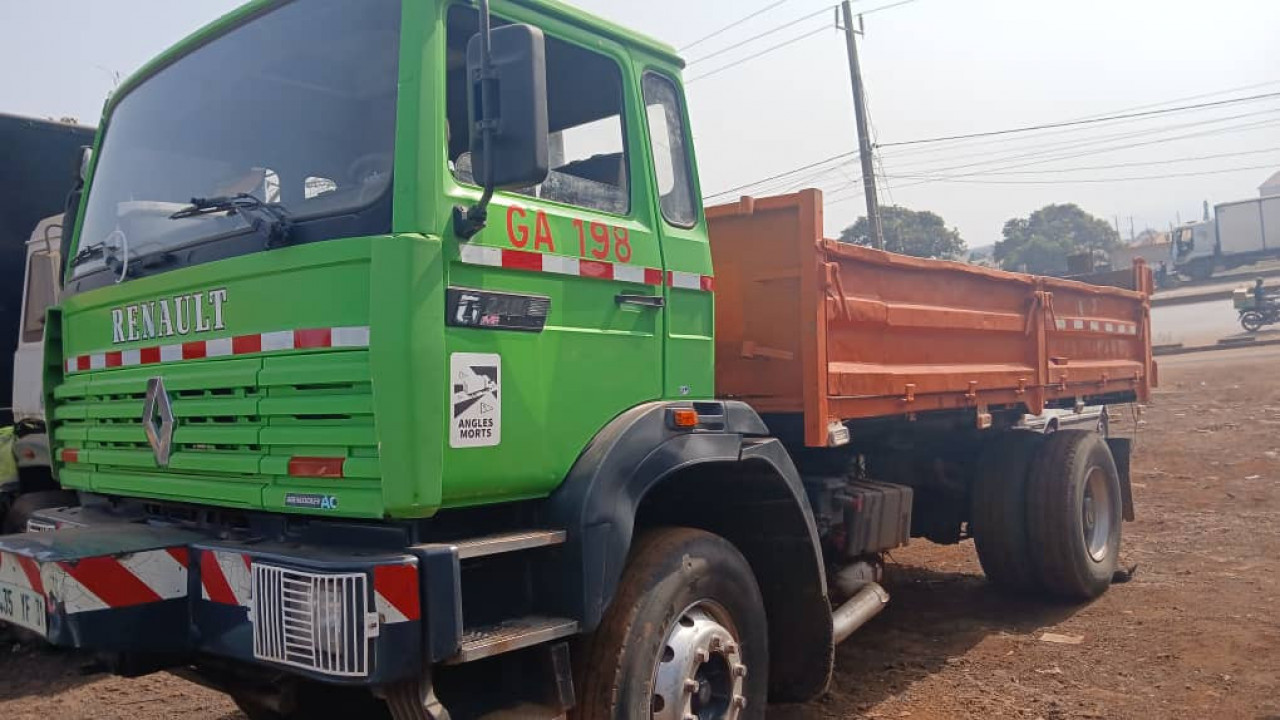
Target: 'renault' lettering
(175,316)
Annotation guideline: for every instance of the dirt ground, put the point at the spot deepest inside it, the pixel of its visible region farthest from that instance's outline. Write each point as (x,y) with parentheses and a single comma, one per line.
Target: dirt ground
(1194,634)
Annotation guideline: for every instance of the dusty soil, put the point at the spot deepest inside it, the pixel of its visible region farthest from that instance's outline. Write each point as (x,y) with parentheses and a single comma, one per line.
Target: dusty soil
(1194,634)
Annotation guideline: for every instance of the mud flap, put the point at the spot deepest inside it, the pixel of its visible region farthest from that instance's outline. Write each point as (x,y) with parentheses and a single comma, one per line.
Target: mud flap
(1121,450)
(120,587)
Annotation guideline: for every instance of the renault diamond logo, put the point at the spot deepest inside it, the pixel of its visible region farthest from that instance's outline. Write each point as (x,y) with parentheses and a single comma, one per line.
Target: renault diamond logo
(157,420)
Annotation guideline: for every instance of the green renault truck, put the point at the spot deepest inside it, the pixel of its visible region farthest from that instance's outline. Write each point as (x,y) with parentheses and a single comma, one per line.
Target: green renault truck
(400,372)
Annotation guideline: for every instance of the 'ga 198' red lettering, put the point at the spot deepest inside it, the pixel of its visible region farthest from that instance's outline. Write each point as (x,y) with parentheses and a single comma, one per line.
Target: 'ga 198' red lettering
(595,239)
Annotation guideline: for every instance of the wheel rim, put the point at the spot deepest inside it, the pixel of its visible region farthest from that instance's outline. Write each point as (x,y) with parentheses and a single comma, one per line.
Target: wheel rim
(700,672)
(1097,514)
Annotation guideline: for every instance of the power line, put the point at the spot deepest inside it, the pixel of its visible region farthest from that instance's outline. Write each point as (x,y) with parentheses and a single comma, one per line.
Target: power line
(1068,181)
(1035,140)
(1053,149)
(735,24)
(1246,126)
(1185,98)
(848,190)
(764,34)
(1149,163)
(800,169)
(755,56)
(890,6)
(1069,123)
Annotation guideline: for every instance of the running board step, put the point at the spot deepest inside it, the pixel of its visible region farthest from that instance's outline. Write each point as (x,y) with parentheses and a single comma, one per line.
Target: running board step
(483,642)
(507,542)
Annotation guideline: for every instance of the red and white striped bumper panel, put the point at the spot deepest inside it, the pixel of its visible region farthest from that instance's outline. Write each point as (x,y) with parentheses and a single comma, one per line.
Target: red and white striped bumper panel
(276,341)
(101,583)
(106,582)
(227,578)
(582,267)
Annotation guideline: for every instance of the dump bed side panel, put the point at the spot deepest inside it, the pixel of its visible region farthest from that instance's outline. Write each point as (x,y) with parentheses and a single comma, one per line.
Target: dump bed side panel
(768,328)
(1099,338)
(912,335)
(843,333)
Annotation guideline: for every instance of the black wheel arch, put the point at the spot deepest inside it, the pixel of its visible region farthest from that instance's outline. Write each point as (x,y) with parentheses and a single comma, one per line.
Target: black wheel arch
(731,479)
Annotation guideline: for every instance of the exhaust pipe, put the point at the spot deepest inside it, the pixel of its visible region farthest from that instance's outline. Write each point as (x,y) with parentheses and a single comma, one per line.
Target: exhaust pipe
(855,613)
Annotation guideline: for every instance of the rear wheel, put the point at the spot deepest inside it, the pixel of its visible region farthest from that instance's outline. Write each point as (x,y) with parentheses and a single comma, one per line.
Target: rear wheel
(684,628)
(1252,320)
(998,513)
(1074,514)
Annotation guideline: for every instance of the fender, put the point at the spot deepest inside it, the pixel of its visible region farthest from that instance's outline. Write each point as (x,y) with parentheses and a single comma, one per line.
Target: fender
(598,502)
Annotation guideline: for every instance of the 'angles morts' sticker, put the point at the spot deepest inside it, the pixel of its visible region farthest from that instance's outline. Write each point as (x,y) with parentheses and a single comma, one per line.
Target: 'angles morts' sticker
(476,384)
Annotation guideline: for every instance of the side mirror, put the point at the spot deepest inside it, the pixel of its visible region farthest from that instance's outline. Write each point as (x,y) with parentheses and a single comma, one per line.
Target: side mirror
(86,159)
(71,208)
(507,107)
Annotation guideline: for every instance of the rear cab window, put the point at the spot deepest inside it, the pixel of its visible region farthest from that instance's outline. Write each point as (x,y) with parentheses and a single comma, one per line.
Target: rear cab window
(667,139)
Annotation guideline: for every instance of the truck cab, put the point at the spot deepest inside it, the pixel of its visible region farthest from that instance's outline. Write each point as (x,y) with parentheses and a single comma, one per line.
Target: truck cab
(1195,248)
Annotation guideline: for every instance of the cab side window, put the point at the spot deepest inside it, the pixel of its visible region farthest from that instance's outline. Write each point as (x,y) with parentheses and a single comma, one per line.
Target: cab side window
(670,156)
(585,116)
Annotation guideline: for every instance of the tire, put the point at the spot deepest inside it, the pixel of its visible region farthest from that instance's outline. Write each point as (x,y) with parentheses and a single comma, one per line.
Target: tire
(1200,270)
(998,510)
(1074,514)
(1252,320)
(683,591)
(15,520)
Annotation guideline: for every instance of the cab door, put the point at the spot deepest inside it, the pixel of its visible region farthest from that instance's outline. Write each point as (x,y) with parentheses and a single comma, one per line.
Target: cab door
(690,324)
(555,318)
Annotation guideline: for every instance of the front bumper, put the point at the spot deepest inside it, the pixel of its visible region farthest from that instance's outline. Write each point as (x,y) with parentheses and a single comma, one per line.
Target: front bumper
(338,615)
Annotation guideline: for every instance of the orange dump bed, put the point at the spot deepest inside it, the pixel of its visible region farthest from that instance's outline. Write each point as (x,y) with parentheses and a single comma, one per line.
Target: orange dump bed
(838,332)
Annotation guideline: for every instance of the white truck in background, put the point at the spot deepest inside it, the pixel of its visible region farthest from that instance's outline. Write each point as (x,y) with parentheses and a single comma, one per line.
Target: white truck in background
(1240,233)
(34,488)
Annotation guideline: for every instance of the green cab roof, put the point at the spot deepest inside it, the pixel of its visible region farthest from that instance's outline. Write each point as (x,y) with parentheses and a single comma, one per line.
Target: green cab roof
(601,26)
(554,8)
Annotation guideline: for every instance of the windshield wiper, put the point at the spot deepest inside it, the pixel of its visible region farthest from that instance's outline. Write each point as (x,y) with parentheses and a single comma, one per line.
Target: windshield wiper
(87,253)
(256,212)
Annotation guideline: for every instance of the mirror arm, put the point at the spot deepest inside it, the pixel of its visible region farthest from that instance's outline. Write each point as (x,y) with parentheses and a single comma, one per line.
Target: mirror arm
(467,222)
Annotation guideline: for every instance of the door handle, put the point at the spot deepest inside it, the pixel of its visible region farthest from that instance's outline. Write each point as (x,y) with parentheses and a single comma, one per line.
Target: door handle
(646,301)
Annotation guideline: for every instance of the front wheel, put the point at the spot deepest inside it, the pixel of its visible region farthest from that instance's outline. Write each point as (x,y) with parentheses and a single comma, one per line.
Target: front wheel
(685,635)
(1252,320)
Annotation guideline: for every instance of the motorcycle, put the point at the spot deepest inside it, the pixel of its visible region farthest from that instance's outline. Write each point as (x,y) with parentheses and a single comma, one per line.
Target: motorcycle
(1255,318)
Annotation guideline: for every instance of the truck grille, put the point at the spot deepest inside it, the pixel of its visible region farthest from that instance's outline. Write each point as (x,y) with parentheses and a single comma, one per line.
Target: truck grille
(236,420)
(316,621)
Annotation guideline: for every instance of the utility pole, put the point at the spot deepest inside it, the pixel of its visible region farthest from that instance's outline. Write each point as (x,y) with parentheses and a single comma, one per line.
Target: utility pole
(1131,237)
(864,138)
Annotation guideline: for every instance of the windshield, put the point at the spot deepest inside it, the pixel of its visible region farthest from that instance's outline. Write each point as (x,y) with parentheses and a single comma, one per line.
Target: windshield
(295,107)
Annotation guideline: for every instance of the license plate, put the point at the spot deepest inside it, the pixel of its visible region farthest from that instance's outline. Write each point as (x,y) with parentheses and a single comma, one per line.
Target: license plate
(23,607)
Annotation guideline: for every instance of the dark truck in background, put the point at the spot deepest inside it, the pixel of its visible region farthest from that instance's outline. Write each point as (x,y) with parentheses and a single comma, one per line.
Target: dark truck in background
(38,163)
(37,167)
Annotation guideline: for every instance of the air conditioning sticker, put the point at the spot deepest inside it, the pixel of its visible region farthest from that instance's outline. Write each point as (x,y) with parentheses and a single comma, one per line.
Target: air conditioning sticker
(476,382)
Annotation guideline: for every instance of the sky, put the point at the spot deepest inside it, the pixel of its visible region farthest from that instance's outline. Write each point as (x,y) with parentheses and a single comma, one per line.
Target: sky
(932,68)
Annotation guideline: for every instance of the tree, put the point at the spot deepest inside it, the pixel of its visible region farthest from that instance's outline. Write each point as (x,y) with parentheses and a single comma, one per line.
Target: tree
(909,232)
(1042,242)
